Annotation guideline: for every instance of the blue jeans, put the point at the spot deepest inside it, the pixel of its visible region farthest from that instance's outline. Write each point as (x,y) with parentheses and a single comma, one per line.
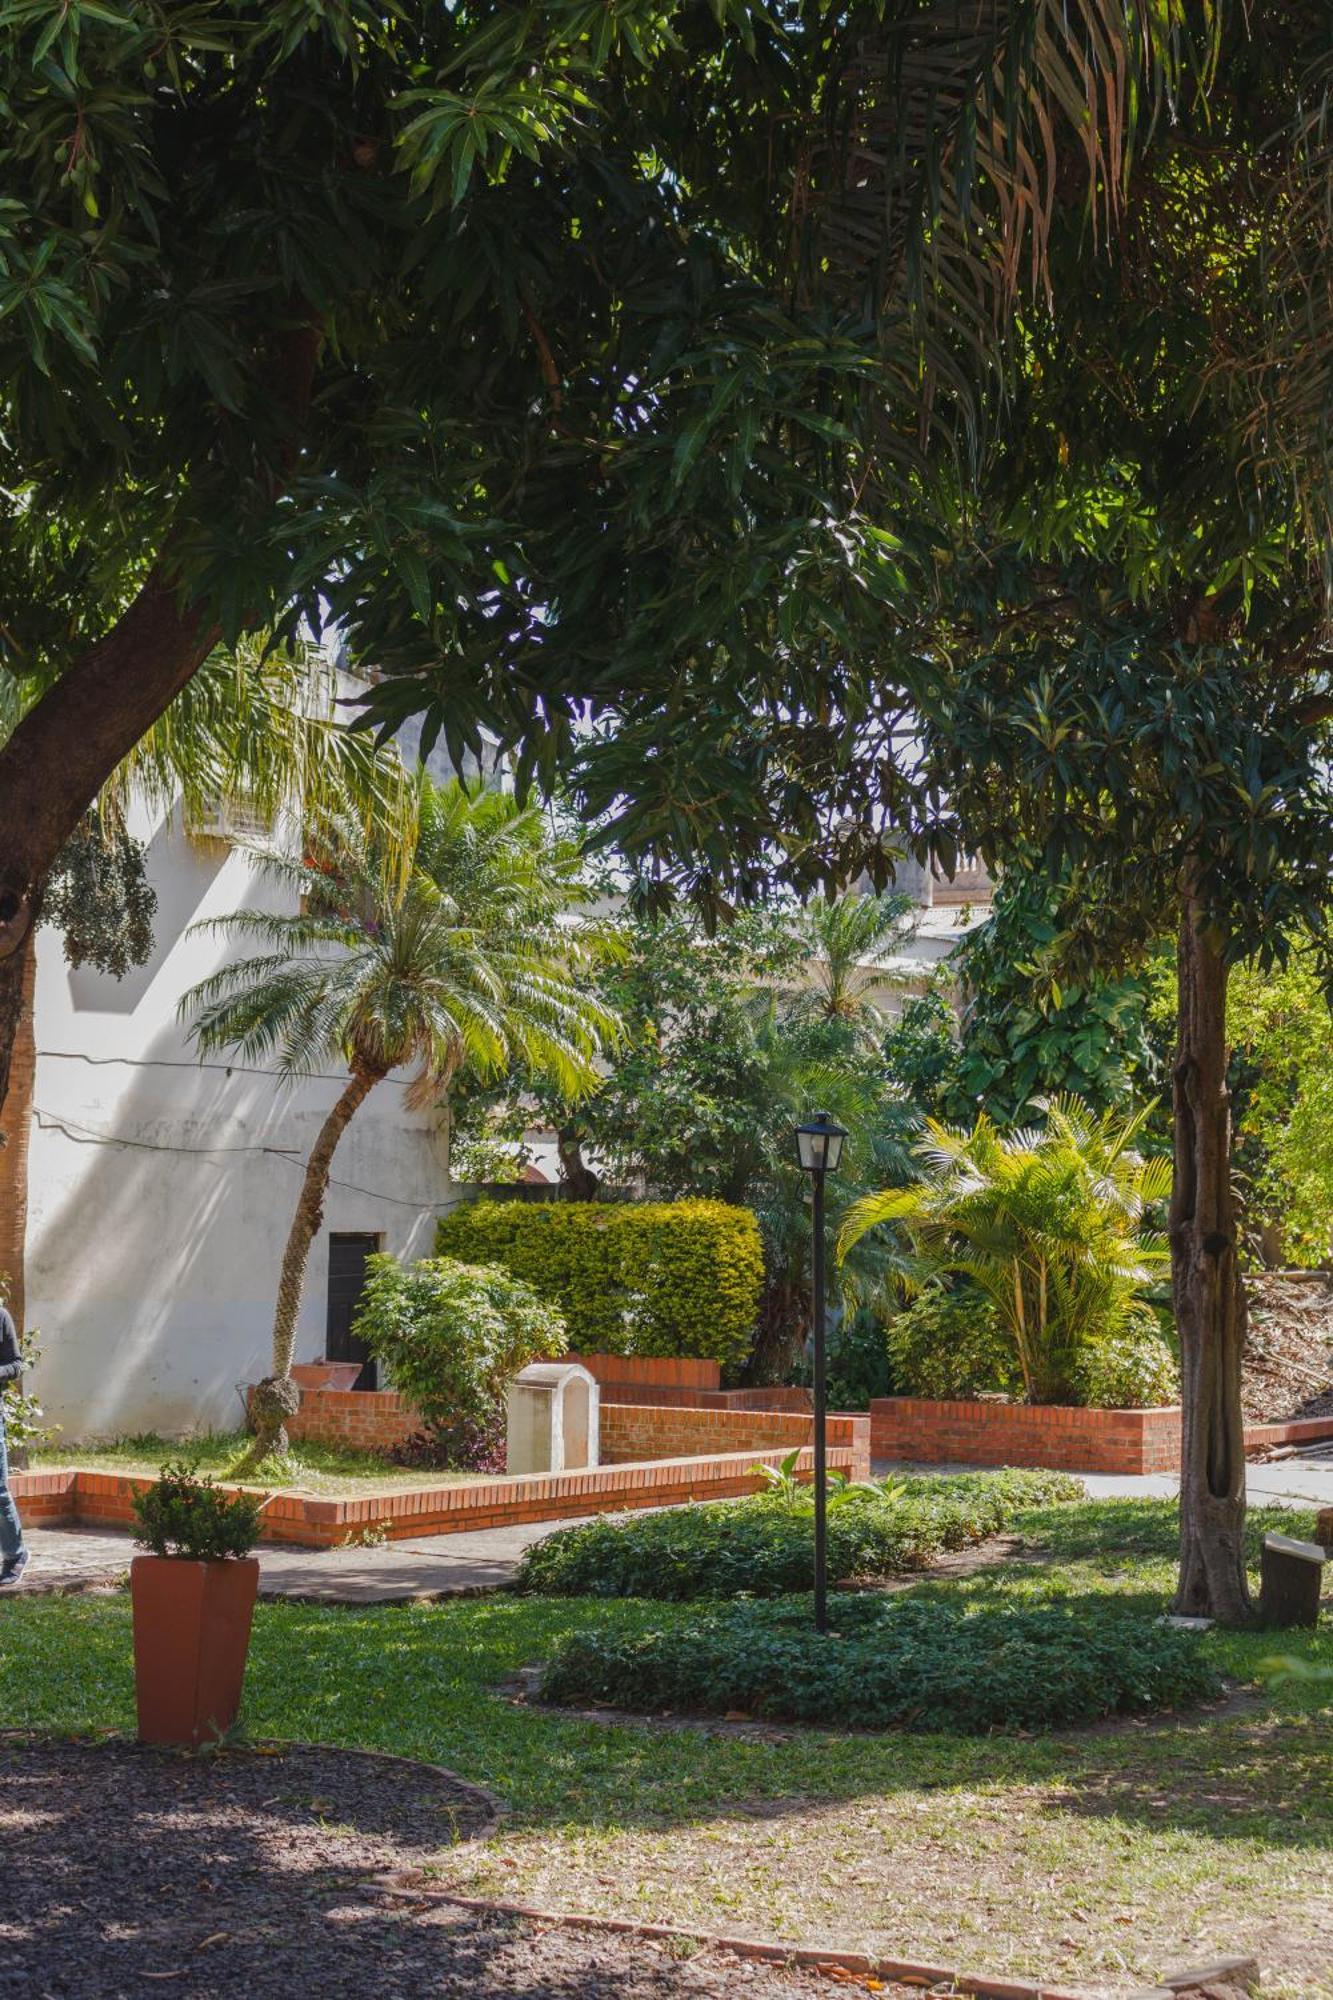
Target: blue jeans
(11,1530)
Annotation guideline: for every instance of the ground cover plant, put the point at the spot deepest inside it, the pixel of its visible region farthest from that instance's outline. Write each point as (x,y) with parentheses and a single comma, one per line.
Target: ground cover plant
(887,1664)
(1091,1858)
(763,1546)
(332,1471)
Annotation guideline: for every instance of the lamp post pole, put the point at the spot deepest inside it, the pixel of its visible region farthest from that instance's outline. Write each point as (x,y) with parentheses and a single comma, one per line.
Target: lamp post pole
(819,1149)
(821,1397)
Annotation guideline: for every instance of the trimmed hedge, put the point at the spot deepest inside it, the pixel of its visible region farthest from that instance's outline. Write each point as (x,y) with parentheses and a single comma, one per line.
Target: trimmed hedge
(891,1663)
(764,1546)
(660,1278)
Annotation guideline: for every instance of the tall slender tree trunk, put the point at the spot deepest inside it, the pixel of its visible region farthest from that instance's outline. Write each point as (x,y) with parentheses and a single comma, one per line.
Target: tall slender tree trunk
(275,1398)
(1208,1296)
(15,1128)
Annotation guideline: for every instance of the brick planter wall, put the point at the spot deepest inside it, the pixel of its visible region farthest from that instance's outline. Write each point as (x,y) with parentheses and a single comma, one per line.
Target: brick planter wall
(378,1420)
(646,1371)
(1067,1440)
(360,1419)
(635,1431)
(105,1499)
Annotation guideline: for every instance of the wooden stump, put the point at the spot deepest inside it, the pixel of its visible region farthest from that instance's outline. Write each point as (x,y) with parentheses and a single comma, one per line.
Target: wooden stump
(1291,1577)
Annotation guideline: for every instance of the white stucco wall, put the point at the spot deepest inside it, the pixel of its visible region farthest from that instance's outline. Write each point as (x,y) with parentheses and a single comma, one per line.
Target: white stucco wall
(161,1191)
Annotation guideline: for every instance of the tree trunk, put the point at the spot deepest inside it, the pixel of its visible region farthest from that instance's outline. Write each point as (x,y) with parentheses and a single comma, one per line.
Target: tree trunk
(65,749)
(15,1126)
(268,1405)
(579,1177)
(1208,1297)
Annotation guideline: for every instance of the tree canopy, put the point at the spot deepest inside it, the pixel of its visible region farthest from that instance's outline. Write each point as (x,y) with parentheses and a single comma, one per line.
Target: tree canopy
(555,351)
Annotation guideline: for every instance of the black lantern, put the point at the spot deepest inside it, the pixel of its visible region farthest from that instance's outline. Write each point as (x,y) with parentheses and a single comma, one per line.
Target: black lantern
(819,1148)
(819,1144)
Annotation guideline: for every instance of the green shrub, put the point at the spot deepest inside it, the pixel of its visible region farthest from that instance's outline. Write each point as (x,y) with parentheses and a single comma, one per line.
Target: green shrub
(763,1547)
(184,1515)
(891,1664)
(950,1343)
(1131,1369)
(453,1336)
(660,1278)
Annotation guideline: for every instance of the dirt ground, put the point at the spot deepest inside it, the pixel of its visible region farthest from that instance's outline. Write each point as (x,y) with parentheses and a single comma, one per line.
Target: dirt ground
(249,1875)
(1289,1354)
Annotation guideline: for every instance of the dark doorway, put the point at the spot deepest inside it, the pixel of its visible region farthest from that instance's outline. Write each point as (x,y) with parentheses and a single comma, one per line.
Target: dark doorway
(347,1275)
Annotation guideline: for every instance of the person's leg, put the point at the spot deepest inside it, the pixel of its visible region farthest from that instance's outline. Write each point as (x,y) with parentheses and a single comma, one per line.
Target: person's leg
(11,1531)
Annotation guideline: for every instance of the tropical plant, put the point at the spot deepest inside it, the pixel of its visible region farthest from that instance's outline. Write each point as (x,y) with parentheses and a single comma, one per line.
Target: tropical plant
(453,1336)
(1048,1224)
(458,960)
(848,938)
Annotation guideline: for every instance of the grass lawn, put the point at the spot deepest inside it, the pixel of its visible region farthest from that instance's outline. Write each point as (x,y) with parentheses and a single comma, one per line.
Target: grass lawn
(1094,1858)
(309,1468)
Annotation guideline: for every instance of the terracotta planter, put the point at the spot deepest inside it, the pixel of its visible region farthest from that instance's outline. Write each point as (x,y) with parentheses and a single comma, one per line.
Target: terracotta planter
(326,1374)
(191,1636)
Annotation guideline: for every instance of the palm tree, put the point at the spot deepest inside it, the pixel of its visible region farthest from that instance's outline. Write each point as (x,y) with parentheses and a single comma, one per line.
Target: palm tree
(257,727)
(1048,1224)
(848,939)
(461,959)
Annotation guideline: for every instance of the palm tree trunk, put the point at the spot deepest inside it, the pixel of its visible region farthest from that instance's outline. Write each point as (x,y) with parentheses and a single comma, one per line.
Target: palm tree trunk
(15,1127)
(275,1397)
(1207,1294)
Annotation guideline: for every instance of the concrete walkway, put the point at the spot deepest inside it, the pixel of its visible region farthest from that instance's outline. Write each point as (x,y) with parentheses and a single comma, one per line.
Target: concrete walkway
(1290,1482)
(435,1566)
(484,1559)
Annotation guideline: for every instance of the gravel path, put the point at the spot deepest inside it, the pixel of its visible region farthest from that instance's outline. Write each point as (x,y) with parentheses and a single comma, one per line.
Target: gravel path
(126,1873)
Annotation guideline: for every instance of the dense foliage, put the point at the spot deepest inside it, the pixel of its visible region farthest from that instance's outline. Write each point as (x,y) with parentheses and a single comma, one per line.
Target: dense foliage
(1027,1033)
(662,1278)
(728,1042)
(892,1664)
(1130,1368)
(184,1515)
(452,1337)
(764,1546)
(949,1341)
(1050,1224)
(551,351)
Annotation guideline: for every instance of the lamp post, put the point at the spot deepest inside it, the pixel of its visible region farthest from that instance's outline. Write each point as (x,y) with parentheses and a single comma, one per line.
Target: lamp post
(819,1148)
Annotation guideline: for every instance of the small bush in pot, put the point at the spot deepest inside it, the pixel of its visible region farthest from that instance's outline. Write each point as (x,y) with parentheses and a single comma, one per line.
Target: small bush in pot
(193,1597)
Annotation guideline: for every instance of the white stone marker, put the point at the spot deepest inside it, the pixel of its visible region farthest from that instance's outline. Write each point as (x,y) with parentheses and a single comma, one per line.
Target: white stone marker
(552,1419)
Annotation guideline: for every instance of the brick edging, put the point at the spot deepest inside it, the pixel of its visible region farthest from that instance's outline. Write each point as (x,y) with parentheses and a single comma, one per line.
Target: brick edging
(79,1496)
(983,1986)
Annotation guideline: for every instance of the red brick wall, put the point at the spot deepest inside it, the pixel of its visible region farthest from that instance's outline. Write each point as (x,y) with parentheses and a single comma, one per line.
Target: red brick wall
(650,1371)
(636,1431)
(361,1419)
(1127,1441)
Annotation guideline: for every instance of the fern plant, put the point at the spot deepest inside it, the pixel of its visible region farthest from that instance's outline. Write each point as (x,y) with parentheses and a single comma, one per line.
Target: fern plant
(1049,1223)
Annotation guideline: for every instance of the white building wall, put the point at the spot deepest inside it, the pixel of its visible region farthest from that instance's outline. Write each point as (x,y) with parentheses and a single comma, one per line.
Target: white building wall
(161,1190)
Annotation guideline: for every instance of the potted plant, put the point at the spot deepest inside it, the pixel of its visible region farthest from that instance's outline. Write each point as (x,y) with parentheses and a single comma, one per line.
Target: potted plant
(193,1597)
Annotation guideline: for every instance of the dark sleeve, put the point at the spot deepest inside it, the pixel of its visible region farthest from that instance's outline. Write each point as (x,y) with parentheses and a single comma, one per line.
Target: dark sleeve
(11,1359)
